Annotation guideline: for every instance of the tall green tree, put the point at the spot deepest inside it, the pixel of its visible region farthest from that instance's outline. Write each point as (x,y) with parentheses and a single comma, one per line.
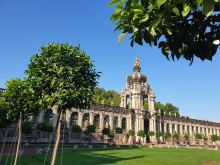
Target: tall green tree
(64,76)
(108,97)
(19,98)
(4,123)
(180,28)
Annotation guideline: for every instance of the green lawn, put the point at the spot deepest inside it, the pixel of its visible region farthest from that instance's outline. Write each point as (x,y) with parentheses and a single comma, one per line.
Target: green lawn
(146,156)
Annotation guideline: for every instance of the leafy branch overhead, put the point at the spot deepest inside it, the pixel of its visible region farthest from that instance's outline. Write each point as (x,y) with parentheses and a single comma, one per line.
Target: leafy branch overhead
(180,28)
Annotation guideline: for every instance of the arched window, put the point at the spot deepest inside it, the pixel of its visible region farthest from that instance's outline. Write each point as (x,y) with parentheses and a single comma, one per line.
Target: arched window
(106,121)
(97,120)
(178,128)
(168,128)
(85,120)
(48,116)
(115,122)
(173,128)
(74,118)
(128,101)
(124,123)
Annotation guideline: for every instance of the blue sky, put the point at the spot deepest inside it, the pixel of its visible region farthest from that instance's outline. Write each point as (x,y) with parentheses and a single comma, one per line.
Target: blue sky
(27,25)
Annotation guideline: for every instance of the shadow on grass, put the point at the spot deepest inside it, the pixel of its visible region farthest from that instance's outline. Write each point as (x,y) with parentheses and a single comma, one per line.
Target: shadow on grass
(76,158)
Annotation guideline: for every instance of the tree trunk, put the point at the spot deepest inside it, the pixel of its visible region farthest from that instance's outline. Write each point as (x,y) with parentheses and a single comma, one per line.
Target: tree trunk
(55,148)
(3,146)
(19,138)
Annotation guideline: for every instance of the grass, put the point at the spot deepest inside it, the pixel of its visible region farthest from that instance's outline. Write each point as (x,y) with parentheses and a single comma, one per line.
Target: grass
(144,156)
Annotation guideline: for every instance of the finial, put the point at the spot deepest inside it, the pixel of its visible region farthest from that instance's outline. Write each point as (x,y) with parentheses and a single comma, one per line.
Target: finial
(137,67)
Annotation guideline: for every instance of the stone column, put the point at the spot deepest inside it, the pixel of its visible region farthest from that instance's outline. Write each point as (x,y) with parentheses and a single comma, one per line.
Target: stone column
(55,115)
(120,121)
(170,127)
(111,118)
(129,122)
(141,120)
(40,117)
(165,127)
(80,116)
(101,126)
(152,128)
(181,129)
(91,118)
(68,116)
(175,127)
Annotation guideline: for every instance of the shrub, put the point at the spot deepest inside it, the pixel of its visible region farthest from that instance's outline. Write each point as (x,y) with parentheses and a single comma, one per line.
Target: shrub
(111,134)
(186,137)
(141,133)
(176,136)
(159,134)
(118,130)
(46,127)
(215,138)
(167,135)
(198,136)
(76,129)
(91,128)
(26,127)
(131,132)
(105,131)
(151,133)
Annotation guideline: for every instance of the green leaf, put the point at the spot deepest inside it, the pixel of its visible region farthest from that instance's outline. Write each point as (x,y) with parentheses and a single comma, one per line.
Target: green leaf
(208,7)
(113,2)
(121,37)
(146,17)
(160,2)
(186,10)
(154,25)
(138,11)
(52,82)
(198,3)
(176,11)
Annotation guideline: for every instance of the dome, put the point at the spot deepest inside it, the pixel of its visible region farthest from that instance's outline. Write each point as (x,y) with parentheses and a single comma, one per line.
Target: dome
(136,76)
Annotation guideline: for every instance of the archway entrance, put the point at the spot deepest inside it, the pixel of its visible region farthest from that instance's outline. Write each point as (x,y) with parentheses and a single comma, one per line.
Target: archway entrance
(146,129)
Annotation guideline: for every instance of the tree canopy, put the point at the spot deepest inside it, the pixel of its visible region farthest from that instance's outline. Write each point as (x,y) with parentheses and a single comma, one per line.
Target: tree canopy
(108,97)
(18,98)
(62,75)
(180,28)
(167,108)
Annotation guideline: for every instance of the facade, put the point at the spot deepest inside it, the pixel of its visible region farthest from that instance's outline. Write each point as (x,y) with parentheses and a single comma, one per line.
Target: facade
(131,115)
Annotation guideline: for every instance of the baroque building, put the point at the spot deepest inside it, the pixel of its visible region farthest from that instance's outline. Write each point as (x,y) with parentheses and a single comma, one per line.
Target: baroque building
(131,115)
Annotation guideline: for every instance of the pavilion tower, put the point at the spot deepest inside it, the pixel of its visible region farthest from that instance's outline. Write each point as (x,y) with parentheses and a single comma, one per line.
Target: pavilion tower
(137,90)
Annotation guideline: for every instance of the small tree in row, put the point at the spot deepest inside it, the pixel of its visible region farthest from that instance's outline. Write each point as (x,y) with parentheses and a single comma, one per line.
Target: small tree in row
(131,133)
(141,134)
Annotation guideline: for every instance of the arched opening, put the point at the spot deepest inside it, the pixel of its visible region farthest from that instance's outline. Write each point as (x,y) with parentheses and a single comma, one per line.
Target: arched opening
(188,129)
(128,101)
(85,120)
(74,119)
(48,116)
(124,123)
(146,129)
(115,122)
(183,129)
(162,127)
(173,128)
(97,121)
(168,127)
(178,129)
(106,121)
